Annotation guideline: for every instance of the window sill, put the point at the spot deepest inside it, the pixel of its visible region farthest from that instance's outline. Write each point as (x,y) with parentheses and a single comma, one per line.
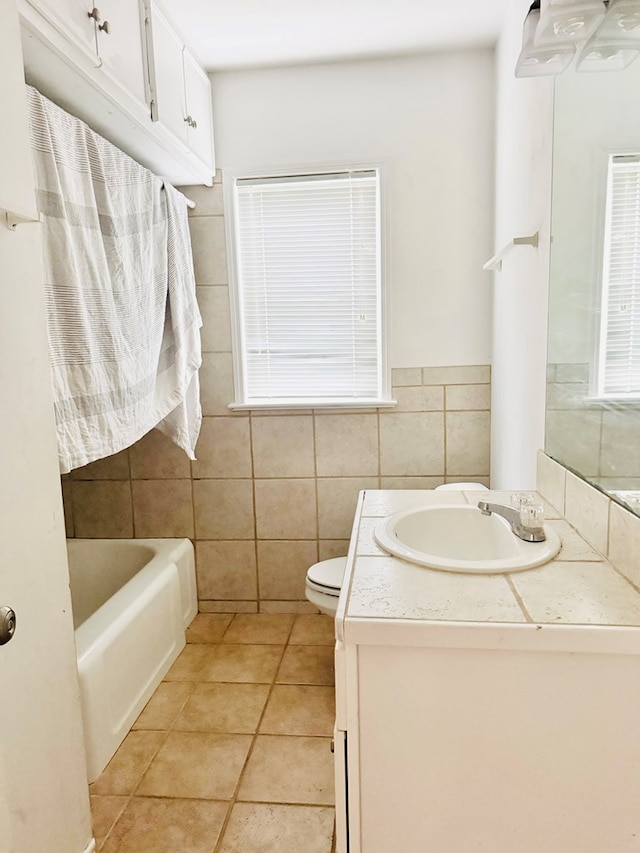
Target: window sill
(314,405)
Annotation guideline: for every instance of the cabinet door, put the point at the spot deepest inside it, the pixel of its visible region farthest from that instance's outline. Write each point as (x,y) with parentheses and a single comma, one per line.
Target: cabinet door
(71,17)
(121,48)
(198,98)
(168,76)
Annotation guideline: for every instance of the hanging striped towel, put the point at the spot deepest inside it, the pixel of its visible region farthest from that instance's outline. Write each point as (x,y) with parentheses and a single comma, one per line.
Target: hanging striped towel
(123,322)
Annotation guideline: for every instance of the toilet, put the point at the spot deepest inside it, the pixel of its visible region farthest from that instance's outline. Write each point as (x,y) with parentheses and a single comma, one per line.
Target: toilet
(323,583)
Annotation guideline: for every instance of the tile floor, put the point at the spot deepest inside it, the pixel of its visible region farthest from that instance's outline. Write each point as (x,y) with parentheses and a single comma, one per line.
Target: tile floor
(232,753)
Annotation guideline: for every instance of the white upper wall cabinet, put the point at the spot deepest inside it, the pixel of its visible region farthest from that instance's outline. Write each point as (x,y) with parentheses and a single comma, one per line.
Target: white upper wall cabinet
(180,90)
(112,71)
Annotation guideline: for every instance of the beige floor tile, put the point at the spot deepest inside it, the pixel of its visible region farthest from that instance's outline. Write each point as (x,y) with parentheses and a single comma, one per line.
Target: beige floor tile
(167,826)
(208,627)
(299,710)
(161,710)
(104,813)
(223,708)
(259,628)
(190,663)
(243,663)
(289,770)
(313,630)
(194,764)
(307,665)
(255,828)
(128,765)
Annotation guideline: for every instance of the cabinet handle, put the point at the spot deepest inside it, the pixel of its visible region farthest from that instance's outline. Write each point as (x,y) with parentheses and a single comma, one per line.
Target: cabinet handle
(95,14)
(191,122)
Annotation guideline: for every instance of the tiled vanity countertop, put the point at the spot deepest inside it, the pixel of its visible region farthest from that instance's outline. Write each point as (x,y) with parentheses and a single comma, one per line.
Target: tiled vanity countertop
(579,588)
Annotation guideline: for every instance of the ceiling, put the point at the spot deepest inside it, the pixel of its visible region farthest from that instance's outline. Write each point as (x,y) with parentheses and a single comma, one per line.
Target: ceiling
(228,34)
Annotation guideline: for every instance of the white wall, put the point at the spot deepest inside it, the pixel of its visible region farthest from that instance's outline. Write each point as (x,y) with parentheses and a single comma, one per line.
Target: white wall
(523,206)
(430,121)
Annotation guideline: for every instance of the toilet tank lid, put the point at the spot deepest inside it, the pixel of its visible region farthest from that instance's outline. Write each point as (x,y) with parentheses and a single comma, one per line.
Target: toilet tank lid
(328,573)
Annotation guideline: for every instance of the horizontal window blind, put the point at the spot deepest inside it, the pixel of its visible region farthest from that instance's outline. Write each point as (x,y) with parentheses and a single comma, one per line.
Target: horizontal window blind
(308,269)
(619,362)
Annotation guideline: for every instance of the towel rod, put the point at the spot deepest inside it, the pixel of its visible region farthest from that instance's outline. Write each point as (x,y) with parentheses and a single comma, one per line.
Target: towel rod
(495,263)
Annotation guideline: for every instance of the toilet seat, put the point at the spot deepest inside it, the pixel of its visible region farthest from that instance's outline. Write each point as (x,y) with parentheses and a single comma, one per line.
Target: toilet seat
(326,576)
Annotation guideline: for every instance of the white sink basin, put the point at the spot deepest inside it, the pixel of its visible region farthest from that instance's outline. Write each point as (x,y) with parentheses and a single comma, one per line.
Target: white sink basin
(459,538)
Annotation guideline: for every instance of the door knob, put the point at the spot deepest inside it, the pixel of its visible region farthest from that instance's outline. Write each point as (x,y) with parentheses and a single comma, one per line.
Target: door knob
(7,624)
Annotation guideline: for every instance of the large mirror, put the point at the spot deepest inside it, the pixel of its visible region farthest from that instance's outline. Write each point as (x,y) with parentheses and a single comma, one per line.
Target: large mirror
(593,378)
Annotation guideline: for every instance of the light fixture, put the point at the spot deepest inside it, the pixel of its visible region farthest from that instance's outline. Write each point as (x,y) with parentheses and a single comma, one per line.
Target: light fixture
(606,34)
(617,41)
(535,60)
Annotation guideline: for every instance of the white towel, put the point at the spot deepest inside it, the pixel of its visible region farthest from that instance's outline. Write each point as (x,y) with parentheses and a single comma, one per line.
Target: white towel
(122,316)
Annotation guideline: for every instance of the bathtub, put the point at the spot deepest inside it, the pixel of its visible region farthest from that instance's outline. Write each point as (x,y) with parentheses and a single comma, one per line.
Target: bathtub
(132,600)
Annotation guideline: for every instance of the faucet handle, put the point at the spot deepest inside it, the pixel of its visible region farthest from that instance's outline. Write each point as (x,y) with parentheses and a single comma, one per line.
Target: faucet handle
(532,516)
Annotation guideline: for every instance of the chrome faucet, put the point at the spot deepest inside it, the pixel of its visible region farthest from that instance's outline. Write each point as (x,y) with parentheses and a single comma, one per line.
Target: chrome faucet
(528,534)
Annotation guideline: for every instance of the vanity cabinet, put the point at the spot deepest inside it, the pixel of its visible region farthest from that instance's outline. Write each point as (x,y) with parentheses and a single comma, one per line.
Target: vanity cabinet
(127,74)
(461,727)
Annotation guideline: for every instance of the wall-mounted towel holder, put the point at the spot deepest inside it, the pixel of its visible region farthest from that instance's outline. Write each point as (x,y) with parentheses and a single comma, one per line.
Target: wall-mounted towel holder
(495,263)
(12,218)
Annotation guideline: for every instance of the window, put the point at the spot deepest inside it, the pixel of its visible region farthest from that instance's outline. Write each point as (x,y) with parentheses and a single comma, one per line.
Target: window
(619,356)
(307,296)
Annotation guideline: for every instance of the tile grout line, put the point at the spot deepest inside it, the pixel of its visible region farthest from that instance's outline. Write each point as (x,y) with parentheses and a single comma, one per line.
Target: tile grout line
(234,798)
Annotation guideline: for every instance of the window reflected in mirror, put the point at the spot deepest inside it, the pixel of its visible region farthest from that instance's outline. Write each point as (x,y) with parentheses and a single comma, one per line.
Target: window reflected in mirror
(593,376)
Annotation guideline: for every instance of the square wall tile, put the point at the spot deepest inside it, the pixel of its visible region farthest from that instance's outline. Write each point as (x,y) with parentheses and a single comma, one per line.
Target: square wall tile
(155,457)
(162,508)
(412,443)
(337,500)
(620,456)
(114,467)
(550,480)
(282,568)
(208,243)
(330,548)
(406,376)
(224,509)
(468,442)
(573,436)
(411,482)
(209,200)
(216,319)
(285,509)
(223,449)
(587,510)
(424,398)
(463,397)
(102,509)
(347,445)
(226,570)
(283,446)
(233,607)
(468,374)
(216,383)
(624,542)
